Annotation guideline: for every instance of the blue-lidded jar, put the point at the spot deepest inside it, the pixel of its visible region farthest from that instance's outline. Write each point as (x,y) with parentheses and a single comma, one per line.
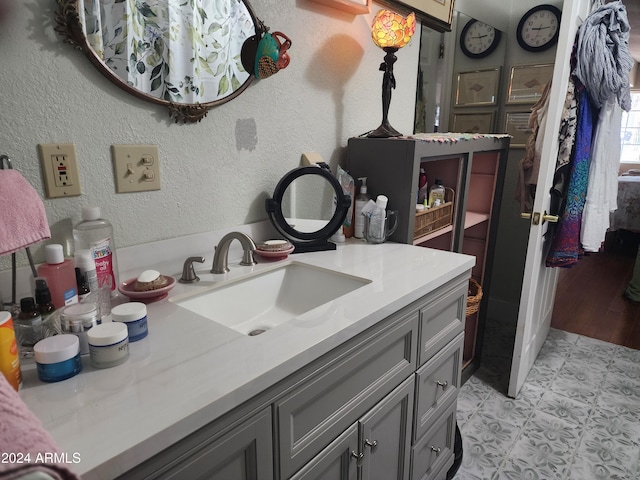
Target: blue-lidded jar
(134,316)
(57,358)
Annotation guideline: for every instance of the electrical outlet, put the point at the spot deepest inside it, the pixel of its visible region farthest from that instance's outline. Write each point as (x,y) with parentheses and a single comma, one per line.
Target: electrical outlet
(136,168)
(60,170)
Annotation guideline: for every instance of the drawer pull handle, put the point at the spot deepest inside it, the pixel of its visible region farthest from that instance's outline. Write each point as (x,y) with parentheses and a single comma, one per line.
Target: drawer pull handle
(371,444)
(435,450)
(357,456)
(442,384)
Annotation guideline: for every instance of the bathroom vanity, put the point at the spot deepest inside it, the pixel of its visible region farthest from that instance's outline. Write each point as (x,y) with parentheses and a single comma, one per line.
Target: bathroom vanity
(367,381)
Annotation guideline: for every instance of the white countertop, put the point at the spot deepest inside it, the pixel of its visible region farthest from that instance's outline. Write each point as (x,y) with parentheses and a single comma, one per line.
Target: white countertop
(189,370)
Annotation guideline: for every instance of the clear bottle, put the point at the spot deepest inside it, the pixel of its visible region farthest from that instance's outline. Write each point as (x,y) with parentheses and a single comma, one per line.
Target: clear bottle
(50,322)
(96,235)
(361,201)
(436,194)
(59,275)
(28,327)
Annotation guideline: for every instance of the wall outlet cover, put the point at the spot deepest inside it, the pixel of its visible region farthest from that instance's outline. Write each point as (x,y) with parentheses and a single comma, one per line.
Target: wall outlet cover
(60,169)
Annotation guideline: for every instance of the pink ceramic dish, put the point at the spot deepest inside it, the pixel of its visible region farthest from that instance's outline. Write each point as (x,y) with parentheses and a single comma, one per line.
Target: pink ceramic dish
(126,288)
(275,254)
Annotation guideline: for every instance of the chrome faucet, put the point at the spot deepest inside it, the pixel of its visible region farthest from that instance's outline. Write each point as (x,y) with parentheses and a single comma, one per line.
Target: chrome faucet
(221,257)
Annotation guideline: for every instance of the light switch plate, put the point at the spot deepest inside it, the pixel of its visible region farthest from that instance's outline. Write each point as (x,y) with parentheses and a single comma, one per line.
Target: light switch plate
(60,169)
(136,168)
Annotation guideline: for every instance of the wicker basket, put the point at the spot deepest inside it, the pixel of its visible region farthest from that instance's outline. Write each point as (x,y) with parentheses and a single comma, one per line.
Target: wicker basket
(473,297)
(435,218)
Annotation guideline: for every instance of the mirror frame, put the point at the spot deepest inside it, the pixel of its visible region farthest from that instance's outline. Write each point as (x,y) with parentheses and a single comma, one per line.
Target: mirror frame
(308,241)
(68,25)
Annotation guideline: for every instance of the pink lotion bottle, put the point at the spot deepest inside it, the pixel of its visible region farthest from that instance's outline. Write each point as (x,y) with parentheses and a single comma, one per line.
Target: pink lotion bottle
(60,275)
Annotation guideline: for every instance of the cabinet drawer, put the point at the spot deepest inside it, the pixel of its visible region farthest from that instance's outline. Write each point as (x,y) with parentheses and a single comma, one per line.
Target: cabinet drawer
(432,455)
(310,417)
(437,383)
(442,319)
(243,453)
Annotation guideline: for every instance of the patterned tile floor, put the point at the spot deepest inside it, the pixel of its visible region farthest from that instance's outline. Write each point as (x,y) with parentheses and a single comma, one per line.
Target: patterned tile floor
(577,416)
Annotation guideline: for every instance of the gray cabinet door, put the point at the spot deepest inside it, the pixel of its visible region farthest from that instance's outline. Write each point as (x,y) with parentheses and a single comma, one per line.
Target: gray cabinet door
(338,461)
(245,453)
(385,436)
(310,417)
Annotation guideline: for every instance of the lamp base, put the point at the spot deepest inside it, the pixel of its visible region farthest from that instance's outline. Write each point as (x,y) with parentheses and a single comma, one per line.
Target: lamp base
(384,131)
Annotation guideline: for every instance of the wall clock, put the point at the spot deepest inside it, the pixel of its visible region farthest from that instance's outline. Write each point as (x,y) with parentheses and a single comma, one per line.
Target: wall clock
(478,39)
(539,28)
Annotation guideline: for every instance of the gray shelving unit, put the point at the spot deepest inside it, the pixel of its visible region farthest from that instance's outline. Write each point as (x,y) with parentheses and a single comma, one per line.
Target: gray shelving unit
(474,166)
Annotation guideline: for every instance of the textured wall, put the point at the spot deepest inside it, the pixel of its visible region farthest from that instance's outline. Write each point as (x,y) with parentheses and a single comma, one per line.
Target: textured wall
(215,174)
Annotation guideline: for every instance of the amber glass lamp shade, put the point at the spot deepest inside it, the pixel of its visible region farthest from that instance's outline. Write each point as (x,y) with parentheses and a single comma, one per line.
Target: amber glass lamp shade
(390,31)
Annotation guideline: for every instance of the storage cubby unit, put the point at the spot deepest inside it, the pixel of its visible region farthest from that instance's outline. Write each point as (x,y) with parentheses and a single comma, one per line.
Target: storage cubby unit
(474,167)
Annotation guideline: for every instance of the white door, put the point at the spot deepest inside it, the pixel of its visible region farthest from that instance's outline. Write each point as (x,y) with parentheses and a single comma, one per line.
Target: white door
(539,284)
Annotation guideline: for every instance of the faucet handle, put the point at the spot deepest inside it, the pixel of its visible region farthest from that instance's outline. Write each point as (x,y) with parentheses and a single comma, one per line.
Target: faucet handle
(247,258)
(188,272)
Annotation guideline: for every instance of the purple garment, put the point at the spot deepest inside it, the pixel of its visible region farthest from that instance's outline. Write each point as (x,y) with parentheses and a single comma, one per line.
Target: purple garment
(565,245)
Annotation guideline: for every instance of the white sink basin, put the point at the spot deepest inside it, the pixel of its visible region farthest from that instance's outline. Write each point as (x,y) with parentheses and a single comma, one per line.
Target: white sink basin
(267,299)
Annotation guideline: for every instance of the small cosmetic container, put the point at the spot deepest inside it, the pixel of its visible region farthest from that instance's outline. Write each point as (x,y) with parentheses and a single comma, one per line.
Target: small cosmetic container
(58,357)
(108,344)
(78,319)
(134,316)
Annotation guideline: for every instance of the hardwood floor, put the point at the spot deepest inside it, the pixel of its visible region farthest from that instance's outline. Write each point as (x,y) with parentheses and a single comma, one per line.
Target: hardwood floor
(589,297)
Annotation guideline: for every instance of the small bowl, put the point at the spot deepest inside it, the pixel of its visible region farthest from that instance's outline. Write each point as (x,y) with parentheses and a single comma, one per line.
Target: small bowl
(274,246)
(126,288)
(274,254)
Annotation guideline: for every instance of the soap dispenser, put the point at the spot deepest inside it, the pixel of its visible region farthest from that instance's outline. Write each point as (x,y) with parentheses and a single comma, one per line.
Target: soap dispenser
(436,194)
(361,201)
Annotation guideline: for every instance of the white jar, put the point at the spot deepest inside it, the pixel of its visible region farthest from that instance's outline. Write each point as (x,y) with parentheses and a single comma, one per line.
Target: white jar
(78,319)
(108,344)
(57,358)
(134,316)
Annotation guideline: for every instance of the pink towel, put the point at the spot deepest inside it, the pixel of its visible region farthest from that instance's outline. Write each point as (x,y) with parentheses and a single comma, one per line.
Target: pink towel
(24,443)
(22,217)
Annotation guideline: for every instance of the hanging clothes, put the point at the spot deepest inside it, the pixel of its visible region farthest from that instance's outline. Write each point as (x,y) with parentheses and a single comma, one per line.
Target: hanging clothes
(603,57)
(530,163)
(565,246)
(566,142)
(602,191)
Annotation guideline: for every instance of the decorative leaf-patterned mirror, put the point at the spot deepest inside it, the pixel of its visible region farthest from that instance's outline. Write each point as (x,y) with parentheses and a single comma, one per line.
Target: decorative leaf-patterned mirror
(183,54)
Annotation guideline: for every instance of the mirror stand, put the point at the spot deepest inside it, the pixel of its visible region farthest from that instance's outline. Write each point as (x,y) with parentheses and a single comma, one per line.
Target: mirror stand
(302,202)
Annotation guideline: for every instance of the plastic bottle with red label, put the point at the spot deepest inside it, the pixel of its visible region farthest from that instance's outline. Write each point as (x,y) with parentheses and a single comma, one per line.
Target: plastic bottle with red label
(95,234)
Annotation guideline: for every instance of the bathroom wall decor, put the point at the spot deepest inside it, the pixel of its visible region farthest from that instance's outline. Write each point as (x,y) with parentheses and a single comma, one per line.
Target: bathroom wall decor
(131,43)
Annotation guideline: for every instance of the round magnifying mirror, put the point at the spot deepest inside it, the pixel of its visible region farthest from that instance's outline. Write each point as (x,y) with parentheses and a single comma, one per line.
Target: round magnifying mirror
(308,207)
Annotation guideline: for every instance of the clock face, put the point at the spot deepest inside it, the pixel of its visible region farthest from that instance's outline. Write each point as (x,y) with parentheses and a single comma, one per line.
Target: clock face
(478,39)
(539,28)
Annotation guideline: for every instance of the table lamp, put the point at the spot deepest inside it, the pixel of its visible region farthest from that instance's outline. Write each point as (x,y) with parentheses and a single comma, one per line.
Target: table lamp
(390,31)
